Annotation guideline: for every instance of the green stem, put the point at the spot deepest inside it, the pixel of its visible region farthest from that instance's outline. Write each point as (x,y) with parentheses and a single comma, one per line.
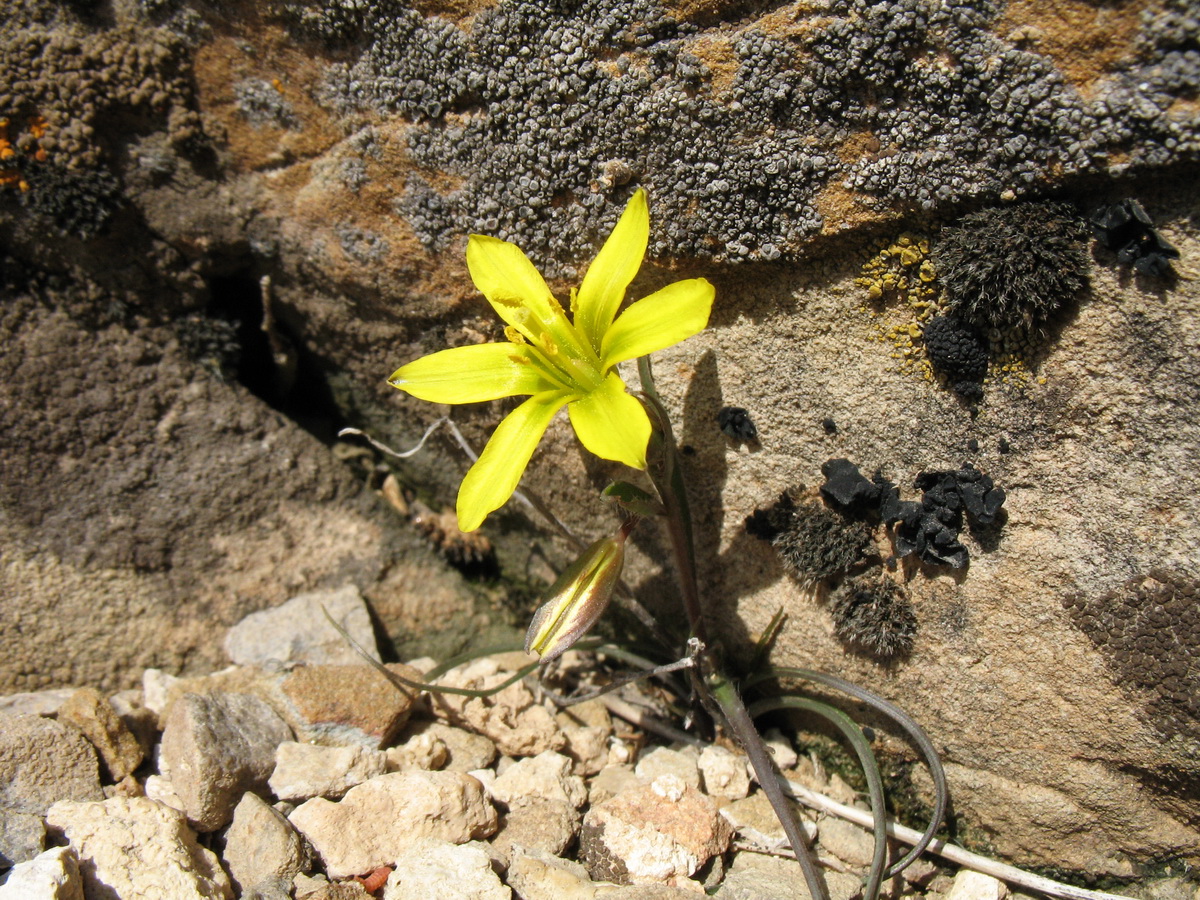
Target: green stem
(742,727)
(671,491)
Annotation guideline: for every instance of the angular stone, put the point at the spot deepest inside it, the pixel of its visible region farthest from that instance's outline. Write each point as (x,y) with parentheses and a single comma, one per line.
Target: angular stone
(970,885)
(756,822)
(304,771)
(22,836)
(43,761)
(512,718)
(587,745)
(139,719)
(548,825)
(723,773)
(660,832)
(53,875)
(538,875)
(546,776)
(612,780)
(378,820)
(89,711)
(439,870)
(587,728)
(348,704)
(217,746)
(136,849)
(665,761)
(35,703)
(261,845)
(424,750)
(754,876)
(850,843)
(298,632)
(465,750)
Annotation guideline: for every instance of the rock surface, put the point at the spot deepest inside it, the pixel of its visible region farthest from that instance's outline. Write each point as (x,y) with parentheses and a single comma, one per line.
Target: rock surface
(304,771)
(53,875)
(173,153)
(119,750)
(262,846)
(22,836)
(546,776)
(439,870)
(658,833)
(138,850)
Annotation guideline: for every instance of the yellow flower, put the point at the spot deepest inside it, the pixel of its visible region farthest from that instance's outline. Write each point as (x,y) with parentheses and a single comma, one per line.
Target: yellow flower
(557,361)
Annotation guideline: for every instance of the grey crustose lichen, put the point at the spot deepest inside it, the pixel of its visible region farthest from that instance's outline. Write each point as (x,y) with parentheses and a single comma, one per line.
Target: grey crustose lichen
(551,113)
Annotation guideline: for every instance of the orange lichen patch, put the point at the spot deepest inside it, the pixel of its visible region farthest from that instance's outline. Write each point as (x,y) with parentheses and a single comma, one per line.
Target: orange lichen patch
(37,127)
(225,62)
(842,208)
(456,11)
(1085,40)
(716,52)
(858,145)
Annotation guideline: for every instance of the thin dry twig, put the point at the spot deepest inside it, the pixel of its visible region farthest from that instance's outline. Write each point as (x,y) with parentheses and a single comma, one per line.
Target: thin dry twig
(951,852)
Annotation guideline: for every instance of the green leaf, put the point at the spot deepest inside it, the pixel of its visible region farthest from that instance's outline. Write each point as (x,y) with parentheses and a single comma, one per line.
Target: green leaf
(634,499)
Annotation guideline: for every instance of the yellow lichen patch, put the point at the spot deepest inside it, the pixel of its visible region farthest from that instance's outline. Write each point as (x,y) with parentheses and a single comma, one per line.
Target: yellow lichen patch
(901,295)
(1011,370)
(1085,40)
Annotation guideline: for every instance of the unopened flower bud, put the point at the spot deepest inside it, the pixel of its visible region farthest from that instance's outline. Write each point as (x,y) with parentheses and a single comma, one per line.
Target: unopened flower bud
(578,597)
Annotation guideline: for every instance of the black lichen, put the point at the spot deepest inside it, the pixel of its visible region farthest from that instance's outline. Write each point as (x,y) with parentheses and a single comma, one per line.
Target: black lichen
(211,341)
(1127,230)
(736,423)
(815,543)
(959,352)
(847,489)
(1009,269)
(80,203)
(928,528)
(1148,631)
(874,615)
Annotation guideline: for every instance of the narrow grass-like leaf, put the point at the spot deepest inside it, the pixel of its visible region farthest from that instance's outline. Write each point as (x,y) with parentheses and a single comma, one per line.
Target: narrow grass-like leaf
(866,757)
(901,718)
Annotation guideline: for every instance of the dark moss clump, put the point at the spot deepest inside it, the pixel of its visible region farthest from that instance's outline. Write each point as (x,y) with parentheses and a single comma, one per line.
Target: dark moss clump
(815,543)
(1011,268)
(874,615)
(77,203)
(212,342)
(959,352)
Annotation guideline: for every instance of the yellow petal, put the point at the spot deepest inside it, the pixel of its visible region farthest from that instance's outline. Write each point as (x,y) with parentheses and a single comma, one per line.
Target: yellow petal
(491,481)
(608,276)
(511,283)
(472,374)
(666,317)
(612,424)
